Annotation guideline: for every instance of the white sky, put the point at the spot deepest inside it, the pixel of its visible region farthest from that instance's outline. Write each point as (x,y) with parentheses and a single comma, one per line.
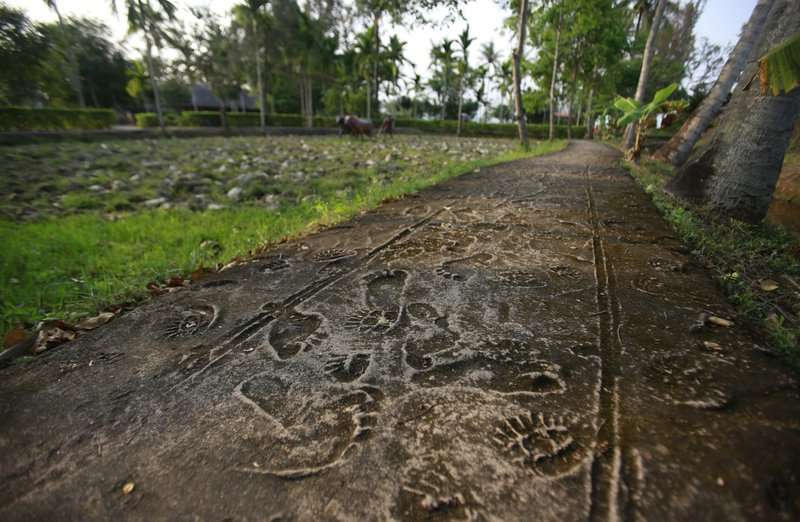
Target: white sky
(720,23)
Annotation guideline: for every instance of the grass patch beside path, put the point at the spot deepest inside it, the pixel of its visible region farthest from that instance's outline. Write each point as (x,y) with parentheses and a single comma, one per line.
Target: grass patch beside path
(745,259)
(71,266)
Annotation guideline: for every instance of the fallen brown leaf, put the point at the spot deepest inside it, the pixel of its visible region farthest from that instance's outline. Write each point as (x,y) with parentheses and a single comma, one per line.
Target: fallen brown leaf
(711,345)
(14,337)
(768,285)
(719,321)
(52,334)
(90,323)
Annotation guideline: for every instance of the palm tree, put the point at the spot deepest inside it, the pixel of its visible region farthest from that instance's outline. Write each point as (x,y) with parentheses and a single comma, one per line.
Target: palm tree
(679,147)
(519,51)
(464,41)
(443,54)
(74,70)
(143,16)
(364,47)
(552,108)
(644,73)
(737,170)
(250,11)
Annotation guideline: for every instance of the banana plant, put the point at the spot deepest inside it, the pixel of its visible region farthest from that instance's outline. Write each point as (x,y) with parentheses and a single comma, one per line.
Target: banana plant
(779,69)
(640,113)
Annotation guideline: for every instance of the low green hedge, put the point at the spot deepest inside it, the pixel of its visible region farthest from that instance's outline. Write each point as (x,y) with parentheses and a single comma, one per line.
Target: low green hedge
(499,130)
(251,119)
(25,119)
(150,119)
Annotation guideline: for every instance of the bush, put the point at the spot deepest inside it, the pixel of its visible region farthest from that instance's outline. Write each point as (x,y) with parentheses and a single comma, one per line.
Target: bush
(249,119)
(150,119)
(536,131)
(24,119)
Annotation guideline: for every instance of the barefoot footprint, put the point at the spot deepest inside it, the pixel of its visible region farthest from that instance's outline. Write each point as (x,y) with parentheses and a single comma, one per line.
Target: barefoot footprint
(311,432)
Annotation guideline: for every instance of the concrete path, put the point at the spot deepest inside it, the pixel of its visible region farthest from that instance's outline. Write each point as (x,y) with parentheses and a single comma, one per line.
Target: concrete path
(520,343)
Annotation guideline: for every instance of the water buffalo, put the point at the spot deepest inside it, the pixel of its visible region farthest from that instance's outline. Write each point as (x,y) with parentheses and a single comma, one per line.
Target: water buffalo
(387,127)
(354,126)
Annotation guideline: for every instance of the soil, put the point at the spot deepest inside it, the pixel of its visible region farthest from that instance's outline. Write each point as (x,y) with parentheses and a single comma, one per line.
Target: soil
(527,339)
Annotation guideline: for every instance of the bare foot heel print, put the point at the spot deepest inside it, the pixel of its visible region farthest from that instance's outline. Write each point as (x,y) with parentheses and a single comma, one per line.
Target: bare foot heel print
(295,332)
(311,435)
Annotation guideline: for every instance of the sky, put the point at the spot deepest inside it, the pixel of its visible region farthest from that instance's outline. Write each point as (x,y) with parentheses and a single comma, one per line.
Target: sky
(720,23)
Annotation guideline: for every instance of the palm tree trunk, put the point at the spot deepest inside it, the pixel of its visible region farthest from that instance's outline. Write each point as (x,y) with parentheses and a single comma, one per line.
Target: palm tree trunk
(644,73)
(552,132)
(154,81)
(571,105)
(519,107)
(736,172)
(376,24)
(74,69)
(589,117)
(460,102)
(677,150)
(262,110)
(369,100)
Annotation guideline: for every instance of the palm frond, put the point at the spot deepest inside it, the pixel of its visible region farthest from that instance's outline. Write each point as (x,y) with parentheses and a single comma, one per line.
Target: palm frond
(779,69)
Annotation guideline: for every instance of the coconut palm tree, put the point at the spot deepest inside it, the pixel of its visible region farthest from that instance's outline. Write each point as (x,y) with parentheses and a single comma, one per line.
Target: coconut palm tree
(249,12)
(519,52)
(464,42)
(146,17)
(736,171)
(644,73)
(74,69)
(679,147)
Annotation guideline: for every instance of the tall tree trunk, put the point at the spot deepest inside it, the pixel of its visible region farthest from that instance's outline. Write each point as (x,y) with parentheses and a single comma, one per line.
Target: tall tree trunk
(154,81)
(376,24)
(74,69)
(460,101)
(678,148)
(552,131)
(519,107)
(644,73)
(589,116)
(262,110)
(572,91)
(309,102)
(369,100)
(736,172)
(223,116)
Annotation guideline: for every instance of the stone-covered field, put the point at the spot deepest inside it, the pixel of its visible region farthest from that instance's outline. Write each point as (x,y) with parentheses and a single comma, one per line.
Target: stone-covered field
(213,173)
(87,226)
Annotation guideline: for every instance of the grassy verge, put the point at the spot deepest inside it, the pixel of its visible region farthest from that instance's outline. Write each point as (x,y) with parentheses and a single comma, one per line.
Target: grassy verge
(70,266)
(745,259)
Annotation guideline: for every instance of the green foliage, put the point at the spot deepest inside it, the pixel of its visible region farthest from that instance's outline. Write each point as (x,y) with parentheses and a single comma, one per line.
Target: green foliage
(635,111)
(24,119)
(779,69)
(248,119)
(496,130)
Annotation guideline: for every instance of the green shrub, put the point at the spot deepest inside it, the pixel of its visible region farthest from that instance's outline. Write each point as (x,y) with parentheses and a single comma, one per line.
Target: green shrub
(24,119)
(150,119)
(496,130)
(249,119)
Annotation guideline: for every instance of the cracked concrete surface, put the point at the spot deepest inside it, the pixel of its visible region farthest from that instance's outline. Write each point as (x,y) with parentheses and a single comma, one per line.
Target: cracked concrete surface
(515,344)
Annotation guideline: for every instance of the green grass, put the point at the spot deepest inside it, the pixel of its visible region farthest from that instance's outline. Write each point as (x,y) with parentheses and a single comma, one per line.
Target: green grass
(79,259)
(740,256)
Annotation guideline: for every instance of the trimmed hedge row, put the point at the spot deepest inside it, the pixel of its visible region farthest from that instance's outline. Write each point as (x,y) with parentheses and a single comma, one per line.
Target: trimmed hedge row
(251,119)
(25,119)
(499,130)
